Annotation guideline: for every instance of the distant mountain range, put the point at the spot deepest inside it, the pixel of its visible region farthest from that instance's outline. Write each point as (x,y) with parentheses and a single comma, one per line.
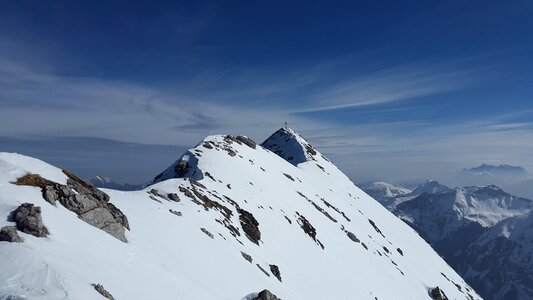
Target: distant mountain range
(108,183)
(514,179)
(483,232)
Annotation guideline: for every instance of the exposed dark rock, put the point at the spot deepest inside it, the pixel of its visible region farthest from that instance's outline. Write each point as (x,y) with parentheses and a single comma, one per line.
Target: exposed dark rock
(246,256)
(29,220)
(307,227)
(9,234)
(177,213)
(309,149)
(266,295)
(288,220)
(249,225)
(187,192)
(246,140)
(89,203)
(210,176)
(400,251)
(317,207)
(157,194)
(438,294)
(375,227)
(174,197)
(100,289)
(386,249)
(264,271)
(209,234)
(181,168)
(288,176)
(275,271)
(352,237)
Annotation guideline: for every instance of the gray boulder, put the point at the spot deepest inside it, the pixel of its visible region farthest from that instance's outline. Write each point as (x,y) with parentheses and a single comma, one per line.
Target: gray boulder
(29,220)
(9,234)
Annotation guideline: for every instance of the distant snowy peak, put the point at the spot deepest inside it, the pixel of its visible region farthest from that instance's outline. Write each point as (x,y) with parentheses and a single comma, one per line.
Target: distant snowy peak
(101,180)
(108,183)
(382,191)
(291,146)
(431,187)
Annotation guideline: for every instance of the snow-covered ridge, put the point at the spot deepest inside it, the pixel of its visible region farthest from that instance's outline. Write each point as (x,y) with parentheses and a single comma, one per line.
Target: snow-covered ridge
(238,219)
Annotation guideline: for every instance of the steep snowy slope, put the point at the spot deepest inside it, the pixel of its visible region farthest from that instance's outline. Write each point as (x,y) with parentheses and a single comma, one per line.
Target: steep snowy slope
(240,219)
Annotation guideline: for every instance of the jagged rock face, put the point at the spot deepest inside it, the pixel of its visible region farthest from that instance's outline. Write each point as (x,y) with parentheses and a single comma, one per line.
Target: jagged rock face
(266,295)
(89,203)
(29,220)
(9,234)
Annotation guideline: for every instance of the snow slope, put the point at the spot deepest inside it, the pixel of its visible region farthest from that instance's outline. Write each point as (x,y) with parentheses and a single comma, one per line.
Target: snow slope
(328,239)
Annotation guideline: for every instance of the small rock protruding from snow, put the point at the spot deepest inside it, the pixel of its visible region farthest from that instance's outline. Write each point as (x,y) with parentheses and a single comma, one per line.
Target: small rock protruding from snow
(275,271)
(100,289)
(9,234)
(438,294)
(29,220)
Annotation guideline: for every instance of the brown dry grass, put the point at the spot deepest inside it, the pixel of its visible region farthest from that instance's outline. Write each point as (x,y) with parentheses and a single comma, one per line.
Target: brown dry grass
(33,180)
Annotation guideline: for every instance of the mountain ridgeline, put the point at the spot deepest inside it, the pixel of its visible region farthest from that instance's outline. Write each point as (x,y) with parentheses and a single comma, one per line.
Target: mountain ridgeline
(229,219)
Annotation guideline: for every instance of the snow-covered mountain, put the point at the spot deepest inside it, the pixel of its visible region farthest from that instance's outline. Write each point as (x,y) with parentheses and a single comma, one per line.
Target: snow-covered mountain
(227,220)
(479,231)
(108,183)
(384,192)
(390,195)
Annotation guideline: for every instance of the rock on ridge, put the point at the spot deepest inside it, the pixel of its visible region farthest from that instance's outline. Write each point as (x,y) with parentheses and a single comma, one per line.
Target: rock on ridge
(89,203)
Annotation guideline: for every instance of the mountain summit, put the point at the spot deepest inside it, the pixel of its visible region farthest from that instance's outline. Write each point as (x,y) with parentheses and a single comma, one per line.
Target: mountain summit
(230,219)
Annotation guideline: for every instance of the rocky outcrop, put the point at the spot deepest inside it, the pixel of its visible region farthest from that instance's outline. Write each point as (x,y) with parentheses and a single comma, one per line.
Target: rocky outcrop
(250,226)
(89,203)
(100,289)
(247,256)
(438,294)
(266,295)
(9,234)
(275,271)
(29,220)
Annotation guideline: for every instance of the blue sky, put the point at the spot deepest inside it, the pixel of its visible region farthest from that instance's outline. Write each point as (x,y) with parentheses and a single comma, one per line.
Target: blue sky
(387,89)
